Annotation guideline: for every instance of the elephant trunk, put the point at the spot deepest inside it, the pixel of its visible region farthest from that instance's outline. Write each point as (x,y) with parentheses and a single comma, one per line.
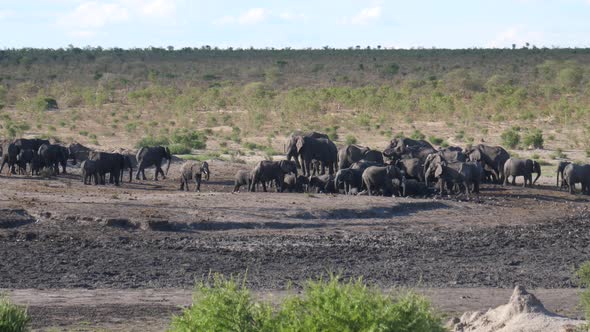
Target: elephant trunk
(336,185)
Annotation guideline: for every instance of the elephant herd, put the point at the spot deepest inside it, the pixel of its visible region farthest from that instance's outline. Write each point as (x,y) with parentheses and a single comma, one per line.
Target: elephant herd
(406,167)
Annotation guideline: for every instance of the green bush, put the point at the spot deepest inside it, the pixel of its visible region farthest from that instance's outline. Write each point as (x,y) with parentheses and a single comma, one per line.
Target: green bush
(176,148)
(534,138)
(435,140)
(12,317)
(350,139)
(510,138)
(417,134)
(221,304)
(152,141)
(190,138)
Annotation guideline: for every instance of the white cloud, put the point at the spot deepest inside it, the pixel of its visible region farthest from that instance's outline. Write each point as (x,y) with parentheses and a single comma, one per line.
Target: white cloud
(258,15)
(253,16)
(366,15)
(92,15)
(89,17)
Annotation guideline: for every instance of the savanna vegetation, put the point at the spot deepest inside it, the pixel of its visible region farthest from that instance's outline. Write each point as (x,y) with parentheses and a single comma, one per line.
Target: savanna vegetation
(331,304)
(156,94)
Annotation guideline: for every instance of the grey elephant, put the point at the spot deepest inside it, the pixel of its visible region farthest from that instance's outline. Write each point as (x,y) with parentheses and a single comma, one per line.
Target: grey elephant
(291,149)
(79,151)
(290,182)
(560,167)
(349,179)
(573,174)
(412,168)
(24,158)
(110,163)
(413,187)
(493,159)
(191,170)
(32,143)
(321,184)
(403,147)
(152,156)
(353,153)
(458,175)
(242,178)
(521,167)
(54,155)
(321,149)
(89,172)
(379,179)
(273,171)
(9,157)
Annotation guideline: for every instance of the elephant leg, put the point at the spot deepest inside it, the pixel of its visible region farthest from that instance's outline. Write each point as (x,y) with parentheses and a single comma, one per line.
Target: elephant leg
(182,183)
(139,170)
(198,183)
(264,186)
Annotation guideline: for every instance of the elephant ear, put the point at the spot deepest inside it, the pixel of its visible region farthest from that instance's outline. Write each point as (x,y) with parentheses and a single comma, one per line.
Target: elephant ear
(439,171)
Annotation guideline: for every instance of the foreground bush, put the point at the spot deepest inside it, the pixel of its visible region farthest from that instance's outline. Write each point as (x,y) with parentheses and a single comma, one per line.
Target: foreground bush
(12,317)
(325,305)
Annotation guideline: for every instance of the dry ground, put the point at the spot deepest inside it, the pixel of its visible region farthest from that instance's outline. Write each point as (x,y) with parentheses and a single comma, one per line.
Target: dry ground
(65,238)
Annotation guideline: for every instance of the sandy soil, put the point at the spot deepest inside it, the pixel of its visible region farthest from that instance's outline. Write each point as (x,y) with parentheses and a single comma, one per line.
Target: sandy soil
(66,238)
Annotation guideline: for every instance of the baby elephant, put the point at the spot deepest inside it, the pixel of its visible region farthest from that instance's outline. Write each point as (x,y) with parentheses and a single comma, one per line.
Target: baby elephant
(413,187)
(242,178)
(193,171)
(89,171)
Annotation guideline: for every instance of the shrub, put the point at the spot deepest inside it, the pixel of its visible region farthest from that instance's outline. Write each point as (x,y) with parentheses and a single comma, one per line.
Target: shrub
(333,305)
(534,138)
(583,276)
(510,138)
(221,304)
(13,318)
(332,132)
(417,134)
(190,138)
(152,141)
(350,139)
(435,140)
(179,149)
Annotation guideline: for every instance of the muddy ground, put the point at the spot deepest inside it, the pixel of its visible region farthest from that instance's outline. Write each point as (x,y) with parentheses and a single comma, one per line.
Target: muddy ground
(58,234)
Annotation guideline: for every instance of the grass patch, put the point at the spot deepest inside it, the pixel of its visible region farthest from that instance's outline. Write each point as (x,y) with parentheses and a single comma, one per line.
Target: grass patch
(13,318)
(329,304)
(510,138)
(534,139)
(350,139)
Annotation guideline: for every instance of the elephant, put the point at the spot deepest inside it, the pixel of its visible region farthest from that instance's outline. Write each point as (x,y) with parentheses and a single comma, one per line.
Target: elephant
(315,167)
(349,179)
(413,168)
(290,182)
(322,184)
(24,157)
(89,172)
(457,174)
(36,165)
(521,167)
(9,156)
(573,174)
(193,171)
(404,147)
(152,156)
(33,143)
(242,178)
(560,168)
(111,163)
(291,149)
(353,153)
(54,155)
(413,187)
(271,171)
(492,157)
(79,151)
(321,149)
(453,154)
(379,178)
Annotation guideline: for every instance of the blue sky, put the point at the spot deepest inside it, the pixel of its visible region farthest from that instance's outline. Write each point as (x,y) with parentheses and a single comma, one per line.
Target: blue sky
(297,24)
